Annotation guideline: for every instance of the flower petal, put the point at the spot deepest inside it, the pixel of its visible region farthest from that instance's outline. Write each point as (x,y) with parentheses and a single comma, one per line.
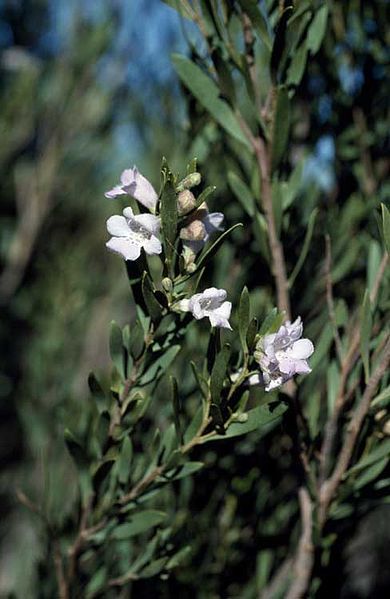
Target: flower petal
(128,176)
(125,247)
(214,293)
(152,245)
(117,226)
(213,222)
(150,222)
(302,367)
(114,192)
(142,190)
(302,349)
(217,320)
(184,305)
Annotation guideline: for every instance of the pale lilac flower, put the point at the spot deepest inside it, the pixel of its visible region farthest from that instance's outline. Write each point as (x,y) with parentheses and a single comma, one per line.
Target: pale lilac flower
(136,185)
(283,354)
(130,233)
(211,304)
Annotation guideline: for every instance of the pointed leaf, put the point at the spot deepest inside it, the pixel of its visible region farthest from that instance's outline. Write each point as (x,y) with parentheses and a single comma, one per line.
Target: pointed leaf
(386,227)
(218,373)
(207,93)
(365,334)
(116,348)
(243,317)
(169,218)
(139,522)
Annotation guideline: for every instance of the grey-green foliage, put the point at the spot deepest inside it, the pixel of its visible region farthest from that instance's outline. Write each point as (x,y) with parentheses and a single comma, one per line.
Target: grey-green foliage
(223,518)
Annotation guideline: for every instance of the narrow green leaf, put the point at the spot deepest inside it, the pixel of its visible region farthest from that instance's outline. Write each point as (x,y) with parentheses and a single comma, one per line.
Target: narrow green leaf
(386,227)
(124,461)
(297,66)
(333,379)
(153,306)
(260,230)
(139,523)
(95,387)
(370,474)
(279,44)
(207,93)
(305,247)
(116,348)
(317,29)
(202,384)
(251,334)
(218,373)
(261,418)
(380,451)
(215,246)
(365,333)
(243,317)
(242,193)
(169,218)
(176,407)
(281,127)
(159,365)
(194,425)
(183,470)
(383,397)
(76,450)
(269,321)
(256,16)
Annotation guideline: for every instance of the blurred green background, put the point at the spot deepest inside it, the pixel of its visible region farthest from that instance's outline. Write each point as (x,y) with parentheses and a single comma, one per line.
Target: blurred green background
(87,89)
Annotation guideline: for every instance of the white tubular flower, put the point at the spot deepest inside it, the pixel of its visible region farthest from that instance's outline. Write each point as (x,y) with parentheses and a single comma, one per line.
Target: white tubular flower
(283,354)
(211,304)
(136,185)
(130,233)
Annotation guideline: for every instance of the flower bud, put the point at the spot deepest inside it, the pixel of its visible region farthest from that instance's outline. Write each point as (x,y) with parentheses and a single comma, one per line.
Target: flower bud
(195,231)
(190,181)
(167,284)
(185,202)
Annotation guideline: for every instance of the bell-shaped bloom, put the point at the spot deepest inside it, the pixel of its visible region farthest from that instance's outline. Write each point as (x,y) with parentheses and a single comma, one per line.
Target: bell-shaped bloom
(130,233)
(283,354)
(136,185)
(211,304)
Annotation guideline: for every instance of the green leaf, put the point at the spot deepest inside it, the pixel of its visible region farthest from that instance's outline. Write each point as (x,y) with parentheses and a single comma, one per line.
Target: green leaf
(386,227)
(370,473)
(373,262)
(154,568)
(281,127)
(201,382)
(279,45)
(159,365)
(317,30)
(260,230)
(297,66)
(242,192)
(269,322)
(116,349)
(153,306)
(218,373)
(76,450)
(169,218)
(178,558)
(305,247)
(365,333)
(206,255)
(176,407)
(261,418)
(207,93)
(258,21)
(194,425)
(183,470)
(95,387)
(139,522)
(124,462)
(333,379)
(251,334)
(380,451)
(383,397)
(243,317)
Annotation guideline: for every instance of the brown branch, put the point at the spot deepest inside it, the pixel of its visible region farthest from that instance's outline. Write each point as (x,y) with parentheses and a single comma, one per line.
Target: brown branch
(330,299)
(303,562)
(277,581)
(330,486)
(63,592)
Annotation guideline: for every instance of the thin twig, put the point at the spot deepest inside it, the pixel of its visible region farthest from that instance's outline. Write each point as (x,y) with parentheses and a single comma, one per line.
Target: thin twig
(303,563)
(63,592)
(278,580)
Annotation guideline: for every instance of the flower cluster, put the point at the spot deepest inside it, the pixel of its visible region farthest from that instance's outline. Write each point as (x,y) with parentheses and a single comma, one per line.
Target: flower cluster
(280,355)
(283,354)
